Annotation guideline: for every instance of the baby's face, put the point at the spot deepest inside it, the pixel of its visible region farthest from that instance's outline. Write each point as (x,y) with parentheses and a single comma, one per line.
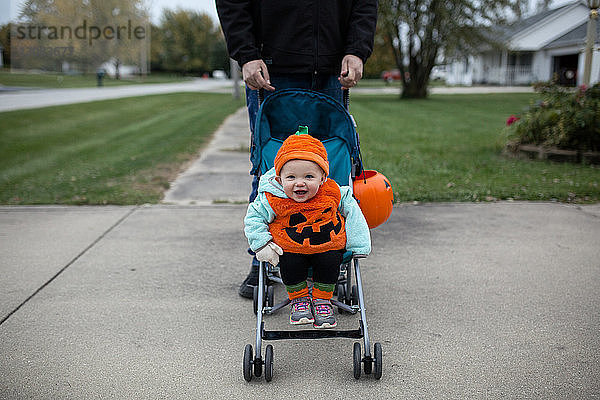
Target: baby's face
(301,179)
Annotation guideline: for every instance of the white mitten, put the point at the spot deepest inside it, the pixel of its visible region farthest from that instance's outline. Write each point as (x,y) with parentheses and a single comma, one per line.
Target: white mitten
(269,253)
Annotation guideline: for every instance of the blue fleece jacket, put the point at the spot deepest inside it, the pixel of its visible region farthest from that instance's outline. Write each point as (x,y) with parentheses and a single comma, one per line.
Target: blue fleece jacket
(260,215)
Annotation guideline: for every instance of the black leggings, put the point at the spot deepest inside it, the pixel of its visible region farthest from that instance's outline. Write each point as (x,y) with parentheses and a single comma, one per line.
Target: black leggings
(325,267)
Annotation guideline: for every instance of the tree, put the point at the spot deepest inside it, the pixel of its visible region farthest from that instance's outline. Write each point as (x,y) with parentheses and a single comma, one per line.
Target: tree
(188,42)
(86,33)
(419,31)
(382,58)
(542,5)
(5,43)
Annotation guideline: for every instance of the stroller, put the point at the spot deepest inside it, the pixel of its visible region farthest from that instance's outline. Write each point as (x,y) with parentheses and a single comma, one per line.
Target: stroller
(280,114)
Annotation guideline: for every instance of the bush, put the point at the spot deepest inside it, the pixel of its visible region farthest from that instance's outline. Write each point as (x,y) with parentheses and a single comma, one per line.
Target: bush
(563,118)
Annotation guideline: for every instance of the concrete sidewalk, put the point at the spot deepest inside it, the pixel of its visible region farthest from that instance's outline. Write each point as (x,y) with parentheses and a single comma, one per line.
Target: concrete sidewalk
(492,301)
(470,301)
(221,174)
(36,98)
(450,90)
(23,98)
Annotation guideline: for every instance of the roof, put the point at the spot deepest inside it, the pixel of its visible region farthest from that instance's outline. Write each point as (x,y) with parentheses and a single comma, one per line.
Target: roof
(508,32)
(521,25)
(557,27)
(576,36)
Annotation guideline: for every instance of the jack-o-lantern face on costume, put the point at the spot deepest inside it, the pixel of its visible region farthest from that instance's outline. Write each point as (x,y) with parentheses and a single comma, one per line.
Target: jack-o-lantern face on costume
(301,230)
(309,227)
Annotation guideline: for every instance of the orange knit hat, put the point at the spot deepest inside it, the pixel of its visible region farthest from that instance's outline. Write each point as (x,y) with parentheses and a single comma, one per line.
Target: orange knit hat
(302,146)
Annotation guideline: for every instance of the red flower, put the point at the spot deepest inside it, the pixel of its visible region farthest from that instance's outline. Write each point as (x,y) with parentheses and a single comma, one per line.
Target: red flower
(511,120)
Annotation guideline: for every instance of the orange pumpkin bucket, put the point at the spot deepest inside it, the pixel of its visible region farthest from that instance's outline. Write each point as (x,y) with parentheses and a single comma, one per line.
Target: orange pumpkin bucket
(375,197)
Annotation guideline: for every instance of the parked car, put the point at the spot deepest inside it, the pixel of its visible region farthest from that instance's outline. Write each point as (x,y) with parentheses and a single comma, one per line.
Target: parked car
(438,73)
(391,76)
(219,74)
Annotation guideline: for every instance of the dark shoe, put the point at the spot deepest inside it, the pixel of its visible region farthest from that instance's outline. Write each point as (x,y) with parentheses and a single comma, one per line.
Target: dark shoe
(247,287)
(324,317)
(300,312)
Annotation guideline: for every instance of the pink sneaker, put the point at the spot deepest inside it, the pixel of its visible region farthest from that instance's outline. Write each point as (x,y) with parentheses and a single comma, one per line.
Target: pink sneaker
(300,312)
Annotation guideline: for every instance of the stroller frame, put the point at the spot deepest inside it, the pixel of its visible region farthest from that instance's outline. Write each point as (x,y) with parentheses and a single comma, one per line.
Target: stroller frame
(350,296)
(350,300)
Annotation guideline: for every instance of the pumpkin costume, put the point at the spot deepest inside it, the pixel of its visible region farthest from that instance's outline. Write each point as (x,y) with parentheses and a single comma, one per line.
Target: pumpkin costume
(311,227)
(313,233)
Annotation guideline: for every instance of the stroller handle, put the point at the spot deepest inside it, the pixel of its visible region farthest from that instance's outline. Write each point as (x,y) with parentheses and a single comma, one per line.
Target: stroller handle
(345,99)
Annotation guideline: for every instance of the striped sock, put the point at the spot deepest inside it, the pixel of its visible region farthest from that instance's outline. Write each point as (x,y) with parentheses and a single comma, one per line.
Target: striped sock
(298,290)
(323,290)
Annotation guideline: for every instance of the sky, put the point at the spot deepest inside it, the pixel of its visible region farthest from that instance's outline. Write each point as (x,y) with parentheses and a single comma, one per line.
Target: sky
(9,9)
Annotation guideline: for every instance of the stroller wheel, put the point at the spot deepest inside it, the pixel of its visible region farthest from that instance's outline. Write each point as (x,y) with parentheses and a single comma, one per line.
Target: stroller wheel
(368,365)
(378,361)
(269,363)
(258,363)
(248,363)
(357,360)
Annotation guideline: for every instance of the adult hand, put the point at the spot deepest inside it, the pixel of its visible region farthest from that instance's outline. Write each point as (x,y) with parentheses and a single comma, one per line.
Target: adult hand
(256,75)
(269,253)
(352,70)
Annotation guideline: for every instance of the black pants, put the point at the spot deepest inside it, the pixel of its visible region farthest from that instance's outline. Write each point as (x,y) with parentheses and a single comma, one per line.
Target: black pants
(325,267)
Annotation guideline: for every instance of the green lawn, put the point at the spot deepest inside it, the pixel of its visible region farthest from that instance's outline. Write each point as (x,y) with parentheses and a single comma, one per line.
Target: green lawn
(55,80)
(446,148)
(110,152)
(449,148)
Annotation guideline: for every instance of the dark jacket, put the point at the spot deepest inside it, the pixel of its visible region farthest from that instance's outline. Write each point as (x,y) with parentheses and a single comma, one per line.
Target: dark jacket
(298,36)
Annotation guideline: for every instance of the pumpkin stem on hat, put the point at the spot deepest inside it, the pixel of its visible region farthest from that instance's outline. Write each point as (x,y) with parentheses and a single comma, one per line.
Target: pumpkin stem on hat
(302,130)
(301,146)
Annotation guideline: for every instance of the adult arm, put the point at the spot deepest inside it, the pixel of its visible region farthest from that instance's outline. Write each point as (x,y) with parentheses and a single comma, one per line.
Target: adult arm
(359,41)
(361,29)
(237,22)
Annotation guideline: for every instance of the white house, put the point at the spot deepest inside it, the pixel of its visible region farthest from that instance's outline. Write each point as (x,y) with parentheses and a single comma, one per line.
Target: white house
(125,71)
(545,45)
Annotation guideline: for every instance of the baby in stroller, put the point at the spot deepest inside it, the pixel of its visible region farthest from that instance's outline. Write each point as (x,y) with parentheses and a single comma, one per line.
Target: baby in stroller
(302,220)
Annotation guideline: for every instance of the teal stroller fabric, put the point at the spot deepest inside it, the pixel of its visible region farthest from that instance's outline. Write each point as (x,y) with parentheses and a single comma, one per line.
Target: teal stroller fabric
(284,111)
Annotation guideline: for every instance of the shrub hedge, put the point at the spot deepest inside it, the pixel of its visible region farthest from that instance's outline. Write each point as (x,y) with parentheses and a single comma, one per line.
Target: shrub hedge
(564,118)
